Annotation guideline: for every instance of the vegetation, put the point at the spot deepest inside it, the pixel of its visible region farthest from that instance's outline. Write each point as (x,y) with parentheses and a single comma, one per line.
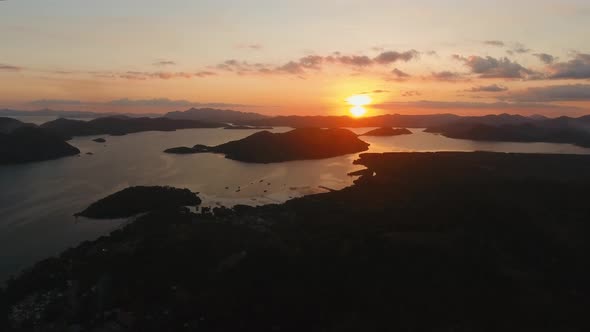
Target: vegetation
(560,130)
(421,242)
(186,150)
(136,200)
(248,127)
(387,131)
(121,125)
(28,144)
(298,144)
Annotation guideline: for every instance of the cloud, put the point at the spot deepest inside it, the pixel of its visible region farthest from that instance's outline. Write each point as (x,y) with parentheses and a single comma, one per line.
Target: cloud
(49,102)
(545,58)
(142,76)
(4,67)
(291,68)
(518,48)
(410,93)
(378,91)
(126,102)
(352,60)
(497,43)
(392,56)
(303,65)
(254,47)
(446,76)
(204,73)
(488,88)
(451,106)
(489,67)
(576,68)
(400,74)
(572,92)
(162,63)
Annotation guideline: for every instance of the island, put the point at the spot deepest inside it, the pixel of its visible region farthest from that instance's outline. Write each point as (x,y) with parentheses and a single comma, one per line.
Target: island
(8,125)
(135,200)
(99,140)
(387,131)
(121,125)
(248,127)
(29,144)
(188,150)
(298,144)
(421,242)
(559,130)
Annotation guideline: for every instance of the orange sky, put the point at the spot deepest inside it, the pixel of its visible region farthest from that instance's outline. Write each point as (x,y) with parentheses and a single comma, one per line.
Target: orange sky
(285,58)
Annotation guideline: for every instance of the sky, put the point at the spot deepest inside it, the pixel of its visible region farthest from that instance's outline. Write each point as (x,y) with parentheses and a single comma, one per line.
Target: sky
(282,57)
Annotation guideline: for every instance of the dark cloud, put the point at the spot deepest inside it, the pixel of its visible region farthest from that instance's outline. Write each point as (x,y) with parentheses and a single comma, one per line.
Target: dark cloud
(489,67)
(545,58)
(162,63)
(126,102)
(204,73)
(4,67)
(446,76)
(576,68)
(50,102)
(450,106)
(374,92)
(142,76)
(311,62)
(392,56)
(352,60)
(488,88)
(497,43)
(291,68)
(410,93)
(400,75)
(572,92)
(316,63)
(518,48)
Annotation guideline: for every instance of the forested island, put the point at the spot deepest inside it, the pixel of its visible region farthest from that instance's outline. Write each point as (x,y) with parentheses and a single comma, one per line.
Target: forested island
(297,144)
(559,130)
(135,200)
(387,131)
(23,143)
(121,125)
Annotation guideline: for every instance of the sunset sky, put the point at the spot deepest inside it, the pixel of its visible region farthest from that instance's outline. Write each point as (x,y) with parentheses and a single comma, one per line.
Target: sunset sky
(297,57)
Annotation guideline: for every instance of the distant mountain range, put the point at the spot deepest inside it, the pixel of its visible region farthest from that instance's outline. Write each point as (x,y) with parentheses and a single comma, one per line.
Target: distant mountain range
(70,114)
(216,115)
(501,127)
(121,125)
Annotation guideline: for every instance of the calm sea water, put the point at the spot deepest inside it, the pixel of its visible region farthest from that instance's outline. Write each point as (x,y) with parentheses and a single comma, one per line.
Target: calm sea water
(37,200)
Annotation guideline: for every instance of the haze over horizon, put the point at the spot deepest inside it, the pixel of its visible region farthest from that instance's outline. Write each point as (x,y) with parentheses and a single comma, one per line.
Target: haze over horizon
(297,57)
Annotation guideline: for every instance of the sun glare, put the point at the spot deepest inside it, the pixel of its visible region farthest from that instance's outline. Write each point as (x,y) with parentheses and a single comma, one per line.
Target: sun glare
(358,111)
(359,100)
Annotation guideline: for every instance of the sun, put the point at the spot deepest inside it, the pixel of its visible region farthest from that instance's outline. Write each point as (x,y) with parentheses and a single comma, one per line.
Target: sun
(358,101)
(358,111)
